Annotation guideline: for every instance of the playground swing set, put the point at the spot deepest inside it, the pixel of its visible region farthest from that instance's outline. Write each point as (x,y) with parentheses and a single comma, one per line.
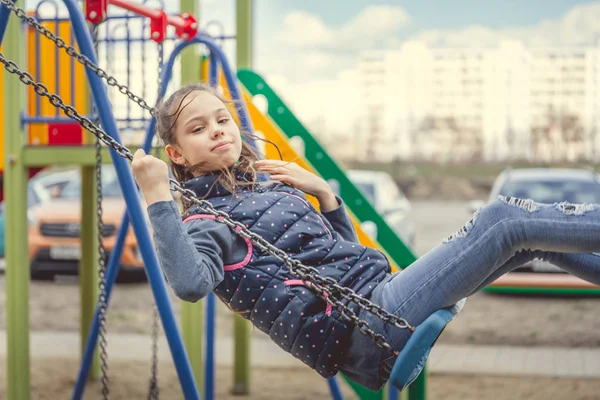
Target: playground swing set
(410,361)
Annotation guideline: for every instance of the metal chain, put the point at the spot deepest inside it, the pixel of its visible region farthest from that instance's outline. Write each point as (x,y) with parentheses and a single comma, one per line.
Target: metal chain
(153,385)
(306,273)
(102,298)
(159,71)
(71,51)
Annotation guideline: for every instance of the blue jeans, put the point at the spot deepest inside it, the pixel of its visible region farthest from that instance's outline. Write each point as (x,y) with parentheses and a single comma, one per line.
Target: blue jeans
(500,237)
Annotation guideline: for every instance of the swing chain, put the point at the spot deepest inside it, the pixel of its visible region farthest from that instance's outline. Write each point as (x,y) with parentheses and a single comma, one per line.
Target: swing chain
(153,384)
(102,299)
(101,276)
(153,389)
(71,51)
(325,287)
(308,274)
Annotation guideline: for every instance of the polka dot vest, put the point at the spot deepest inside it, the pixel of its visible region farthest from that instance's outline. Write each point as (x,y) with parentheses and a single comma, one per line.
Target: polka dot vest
(264,291)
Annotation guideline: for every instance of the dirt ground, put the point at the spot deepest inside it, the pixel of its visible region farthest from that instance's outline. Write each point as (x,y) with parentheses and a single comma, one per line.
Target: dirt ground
(130,381)
(487,319)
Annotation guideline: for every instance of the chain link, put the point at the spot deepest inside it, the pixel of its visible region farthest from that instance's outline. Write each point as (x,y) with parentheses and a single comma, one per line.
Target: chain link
(102,299)
(153,382)
(71,51)
(308,274)
(325,287)
(153,385)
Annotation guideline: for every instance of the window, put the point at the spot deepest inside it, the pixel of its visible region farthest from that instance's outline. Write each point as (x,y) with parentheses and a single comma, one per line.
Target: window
(368,189)
(554,191)
(110,185)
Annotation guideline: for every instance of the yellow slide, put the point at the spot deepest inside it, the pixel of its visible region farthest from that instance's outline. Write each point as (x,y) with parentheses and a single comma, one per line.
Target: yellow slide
(263,125)
(271,132)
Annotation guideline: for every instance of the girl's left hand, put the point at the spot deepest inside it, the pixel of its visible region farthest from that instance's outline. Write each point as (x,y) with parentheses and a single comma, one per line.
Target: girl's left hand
(294,175)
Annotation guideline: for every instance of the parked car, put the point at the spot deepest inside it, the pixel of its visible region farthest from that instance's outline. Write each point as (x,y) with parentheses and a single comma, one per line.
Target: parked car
(54,234)
(388,200)
(546,185)
(54,180)
(37,193)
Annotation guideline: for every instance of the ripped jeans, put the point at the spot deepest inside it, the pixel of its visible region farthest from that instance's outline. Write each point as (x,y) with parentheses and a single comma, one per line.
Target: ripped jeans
(500,237)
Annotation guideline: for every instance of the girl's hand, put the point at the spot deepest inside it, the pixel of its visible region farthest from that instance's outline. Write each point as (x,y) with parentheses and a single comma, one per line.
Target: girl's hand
(294,175)
(152,176)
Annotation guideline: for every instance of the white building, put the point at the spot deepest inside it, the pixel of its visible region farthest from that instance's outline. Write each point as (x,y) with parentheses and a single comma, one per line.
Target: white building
(566,101)
(458,104)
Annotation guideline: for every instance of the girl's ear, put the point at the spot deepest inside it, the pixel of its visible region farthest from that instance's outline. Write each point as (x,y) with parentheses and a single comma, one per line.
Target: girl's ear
(175,154)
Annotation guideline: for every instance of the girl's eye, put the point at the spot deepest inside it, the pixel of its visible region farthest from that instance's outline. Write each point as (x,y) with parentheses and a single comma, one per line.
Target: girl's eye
(197,129)
(223,120)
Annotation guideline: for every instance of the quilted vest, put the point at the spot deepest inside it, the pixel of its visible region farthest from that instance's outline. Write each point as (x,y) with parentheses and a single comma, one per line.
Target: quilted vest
(263,290)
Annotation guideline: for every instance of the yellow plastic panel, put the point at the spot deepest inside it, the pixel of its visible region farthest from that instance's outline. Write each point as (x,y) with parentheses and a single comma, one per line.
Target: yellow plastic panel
(1,118)
(48,52)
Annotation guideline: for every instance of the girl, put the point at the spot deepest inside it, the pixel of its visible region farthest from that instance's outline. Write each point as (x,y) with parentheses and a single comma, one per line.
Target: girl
(200,255)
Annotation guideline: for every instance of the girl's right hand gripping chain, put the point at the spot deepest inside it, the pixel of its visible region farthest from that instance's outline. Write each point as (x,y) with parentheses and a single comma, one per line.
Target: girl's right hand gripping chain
(152,176)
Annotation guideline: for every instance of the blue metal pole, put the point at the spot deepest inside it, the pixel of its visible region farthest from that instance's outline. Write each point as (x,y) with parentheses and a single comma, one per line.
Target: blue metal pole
(4,14)
(392,392)
(111,276)
(336,393)
(92,339)
(134,208)
(230,77)
(213,73)
(209,368)
(113,266)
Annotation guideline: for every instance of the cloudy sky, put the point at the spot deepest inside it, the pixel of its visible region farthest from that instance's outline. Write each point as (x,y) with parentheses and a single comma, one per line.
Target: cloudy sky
(308,49)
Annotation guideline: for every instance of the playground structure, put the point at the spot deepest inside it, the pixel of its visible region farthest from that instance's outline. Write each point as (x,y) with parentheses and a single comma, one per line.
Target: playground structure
(54,139)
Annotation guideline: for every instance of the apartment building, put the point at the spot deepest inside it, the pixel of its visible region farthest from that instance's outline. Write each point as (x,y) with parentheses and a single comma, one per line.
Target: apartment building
(503,103)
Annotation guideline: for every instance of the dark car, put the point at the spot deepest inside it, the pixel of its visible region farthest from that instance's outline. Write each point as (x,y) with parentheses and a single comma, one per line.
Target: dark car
(547,185)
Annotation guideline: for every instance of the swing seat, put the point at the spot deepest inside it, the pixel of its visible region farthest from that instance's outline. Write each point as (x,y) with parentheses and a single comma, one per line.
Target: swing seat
(413,356)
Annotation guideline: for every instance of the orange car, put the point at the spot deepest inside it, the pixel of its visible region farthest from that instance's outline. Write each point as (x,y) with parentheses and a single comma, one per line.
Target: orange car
(54,231)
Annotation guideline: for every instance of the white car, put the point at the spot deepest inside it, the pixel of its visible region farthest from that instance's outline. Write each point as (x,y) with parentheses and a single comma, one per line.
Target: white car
(545,185)
(388,200)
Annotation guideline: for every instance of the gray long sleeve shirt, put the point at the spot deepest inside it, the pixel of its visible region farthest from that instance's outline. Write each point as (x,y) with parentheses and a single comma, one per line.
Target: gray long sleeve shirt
(192,255)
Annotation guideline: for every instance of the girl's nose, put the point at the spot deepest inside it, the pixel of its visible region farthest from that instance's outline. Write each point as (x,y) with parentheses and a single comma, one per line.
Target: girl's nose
(218,132)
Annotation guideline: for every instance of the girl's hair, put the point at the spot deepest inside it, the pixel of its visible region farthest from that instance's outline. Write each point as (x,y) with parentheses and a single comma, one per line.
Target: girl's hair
(167,114)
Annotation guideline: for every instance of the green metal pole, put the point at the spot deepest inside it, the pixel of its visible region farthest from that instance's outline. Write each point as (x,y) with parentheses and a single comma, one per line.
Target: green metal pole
(192,314)
(404,395)
(418,389)
(242,328)
(15,190)
(88,267)
(244,34)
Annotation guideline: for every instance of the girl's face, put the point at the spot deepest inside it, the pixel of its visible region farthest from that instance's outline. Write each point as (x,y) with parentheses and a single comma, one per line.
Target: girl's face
(205,135)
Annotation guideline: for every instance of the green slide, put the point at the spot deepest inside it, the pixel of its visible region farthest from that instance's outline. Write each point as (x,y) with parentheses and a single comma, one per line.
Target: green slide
(318,157)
